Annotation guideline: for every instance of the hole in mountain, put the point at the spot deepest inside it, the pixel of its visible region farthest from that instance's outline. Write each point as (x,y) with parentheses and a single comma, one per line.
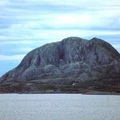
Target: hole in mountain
(61,56)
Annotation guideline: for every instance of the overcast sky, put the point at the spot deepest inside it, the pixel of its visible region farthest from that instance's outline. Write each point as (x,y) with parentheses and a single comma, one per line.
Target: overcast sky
(27,24)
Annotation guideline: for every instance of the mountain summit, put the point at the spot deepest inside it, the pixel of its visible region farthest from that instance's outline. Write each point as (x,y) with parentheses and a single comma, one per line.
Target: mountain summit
(68,61)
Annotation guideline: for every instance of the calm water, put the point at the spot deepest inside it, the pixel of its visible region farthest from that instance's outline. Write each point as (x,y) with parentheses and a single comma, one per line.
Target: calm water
(59,107)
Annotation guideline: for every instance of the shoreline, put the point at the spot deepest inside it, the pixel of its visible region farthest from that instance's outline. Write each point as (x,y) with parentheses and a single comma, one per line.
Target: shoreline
(58,92)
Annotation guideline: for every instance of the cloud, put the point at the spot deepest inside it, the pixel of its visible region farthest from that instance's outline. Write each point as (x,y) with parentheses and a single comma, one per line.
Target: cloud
(4,2)
(81,15)
(9,58)
(116,46)
(5,66)
(10,42)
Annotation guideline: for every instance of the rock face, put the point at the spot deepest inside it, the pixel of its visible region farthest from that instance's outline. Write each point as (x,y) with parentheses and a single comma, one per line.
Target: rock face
(70,60)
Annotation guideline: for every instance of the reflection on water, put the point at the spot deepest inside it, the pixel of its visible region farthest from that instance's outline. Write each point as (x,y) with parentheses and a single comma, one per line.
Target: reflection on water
(59,107)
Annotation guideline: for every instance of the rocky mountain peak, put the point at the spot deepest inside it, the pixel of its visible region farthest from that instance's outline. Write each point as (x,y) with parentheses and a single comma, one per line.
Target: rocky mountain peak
(58,59)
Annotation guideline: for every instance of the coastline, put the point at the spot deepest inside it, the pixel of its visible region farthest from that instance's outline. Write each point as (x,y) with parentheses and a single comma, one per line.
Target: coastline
(58,92)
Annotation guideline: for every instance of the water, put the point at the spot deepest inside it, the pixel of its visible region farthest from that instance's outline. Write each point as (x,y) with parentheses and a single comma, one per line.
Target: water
(59,107)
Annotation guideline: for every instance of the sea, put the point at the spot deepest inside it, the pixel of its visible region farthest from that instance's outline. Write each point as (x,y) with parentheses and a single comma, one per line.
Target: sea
(59,107)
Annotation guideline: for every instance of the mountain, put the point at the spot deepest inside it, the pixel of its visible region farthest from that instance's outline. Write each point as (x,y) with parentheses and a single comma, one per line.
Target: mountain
(72,61)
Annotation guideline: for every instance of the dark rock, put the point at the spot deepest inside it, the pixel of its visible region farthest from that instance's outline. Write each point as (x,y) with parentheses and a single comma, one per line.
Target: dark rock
(72,59)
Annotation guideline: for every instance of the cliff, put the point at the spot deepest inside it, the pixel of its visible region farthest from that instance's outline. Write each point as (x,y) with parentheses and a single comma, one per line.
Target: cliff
(72,60)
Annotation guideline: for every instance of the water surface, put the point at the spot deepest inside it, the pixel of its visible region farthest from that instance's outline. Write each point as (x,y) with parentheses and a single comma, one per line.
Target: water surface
(59,107)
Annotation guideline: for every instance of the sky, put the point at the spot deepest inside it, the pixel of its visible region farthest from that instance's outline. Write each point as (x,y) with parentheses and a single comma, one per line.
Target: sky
(28,24)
